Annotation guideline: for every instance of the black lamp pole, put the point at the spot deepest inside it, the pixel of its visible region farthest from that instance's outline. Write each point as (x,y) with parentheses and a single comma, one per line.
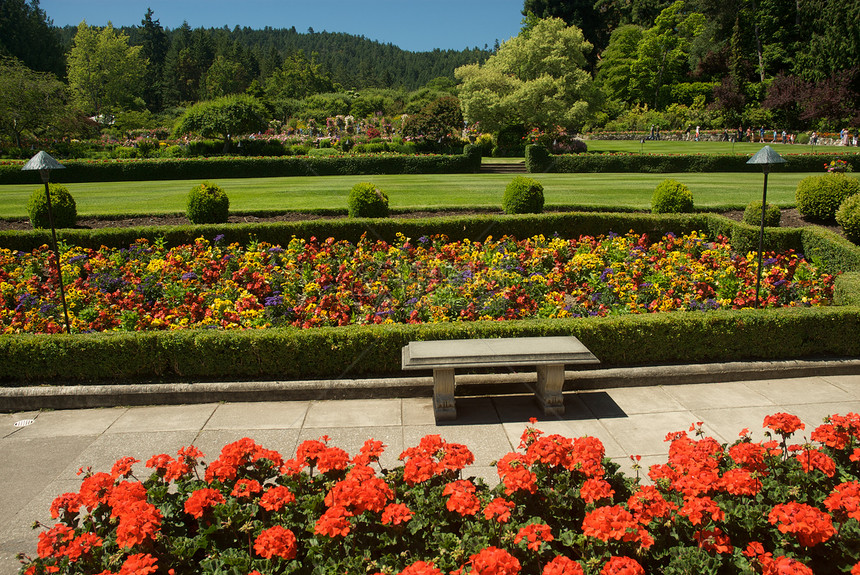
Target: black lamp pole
(765,158)
(44,163)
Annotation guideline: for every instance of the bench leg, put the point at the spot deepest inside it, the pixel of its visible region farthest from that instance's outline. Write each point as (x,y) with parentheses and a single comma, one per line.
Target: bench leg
(443,394)
(550,382)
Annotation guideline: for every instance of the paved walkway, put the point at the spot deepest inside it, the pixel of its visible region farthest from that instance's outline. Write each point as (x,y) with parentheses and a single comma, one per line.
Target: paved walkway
(39,461)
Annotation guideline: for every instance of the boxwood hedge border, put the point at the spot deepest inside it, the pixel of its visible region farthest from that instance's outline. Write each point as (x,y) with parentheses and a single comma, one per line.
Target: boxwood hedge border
(248,167)
(364,351)
(538,160)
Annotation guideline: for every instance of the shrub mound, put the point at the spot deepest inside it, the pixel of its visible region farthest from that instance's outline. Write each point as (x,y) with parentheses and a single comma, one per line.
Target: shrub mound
(848,216)
(63,207)
(208,204)
(671,197)
(752,215)
(818,197)
(367,201)
(523,196)
(561,507)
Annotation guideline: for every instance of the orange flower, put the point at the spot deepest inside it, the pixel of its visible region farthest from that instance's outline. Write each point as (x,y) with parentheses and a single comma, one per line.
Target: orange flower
(276,497)
(122,467)
(494,561)
(246,488)
(276,541)
(713,540)
(622,566)
(844,500)
(615,523)
(421,568)
(334,522)
(395,514)
(562,565)
(139,564)
(695,509)
(201,500)
(648,504)
(810,525)
(499,509)
(461,497)
(593,490)
(535,534)
(814,459)
(783,423)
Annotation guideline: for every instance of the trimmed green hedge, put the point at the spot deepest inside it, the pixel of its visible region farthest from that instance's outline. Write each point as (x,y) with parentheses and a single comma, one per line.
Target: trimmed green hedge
(358,351)
(375,350)
(241,167)
(538,161)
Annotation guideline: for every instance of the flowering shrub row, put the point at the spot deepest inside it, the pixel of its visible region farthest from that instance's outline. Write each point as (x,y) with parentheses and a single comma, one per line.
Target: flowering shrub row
(561,508)
(333,283)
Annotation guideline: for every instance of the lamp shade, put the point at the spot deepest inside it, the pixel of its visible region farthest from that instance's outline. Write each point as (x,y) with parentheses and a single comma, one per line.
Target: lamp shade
(766,156)
(43,161)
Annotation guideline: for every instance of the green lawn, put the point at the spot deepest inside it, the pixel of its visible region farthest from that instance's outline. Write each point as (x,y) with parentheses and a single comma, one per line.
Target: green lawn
(674,147)
(713,190)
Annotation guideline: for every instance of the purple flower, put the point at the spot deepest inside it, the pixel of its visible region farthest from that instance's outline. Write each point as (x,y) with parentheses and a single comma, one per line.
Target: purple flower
(189,276)
(219,237)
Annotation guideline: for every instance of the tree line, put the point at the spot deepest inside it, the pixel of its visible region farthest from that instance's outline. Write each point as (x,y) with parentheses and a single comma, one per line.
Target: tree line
(576,65)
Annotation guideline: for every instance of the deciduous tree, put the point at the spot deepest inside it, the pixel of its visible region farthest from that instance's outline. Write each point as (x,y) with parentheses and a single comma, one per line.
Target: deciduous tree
(105,73)
(30,102)
(537,79)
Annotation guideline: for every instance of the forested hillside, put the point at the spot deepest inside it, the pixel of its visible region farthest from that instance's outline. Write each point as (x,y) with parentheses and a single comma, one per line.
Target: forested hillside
(353,62)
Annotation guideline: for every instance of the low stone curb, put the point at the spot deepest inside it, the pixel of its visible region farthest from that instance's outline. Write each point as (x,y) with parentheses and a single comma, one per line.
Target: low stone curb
(110,395)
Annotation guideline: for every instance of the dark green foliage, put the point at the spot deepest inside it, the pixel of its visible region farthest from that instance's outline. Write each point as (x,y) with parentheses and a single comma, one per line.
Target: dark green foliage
(818,197)
(207,204)
(329,352)
(239,167)
(523,196)
(538,159)
(509,142)
(752,214)
(659,164)
(671,197)
(367,201)
(63,207)
(848,216)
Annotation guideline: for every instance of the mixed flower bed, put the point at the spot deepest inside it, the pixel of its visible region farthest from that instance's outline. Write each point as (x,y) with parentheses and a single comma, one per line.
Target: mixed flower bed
(561,508)
(428,279)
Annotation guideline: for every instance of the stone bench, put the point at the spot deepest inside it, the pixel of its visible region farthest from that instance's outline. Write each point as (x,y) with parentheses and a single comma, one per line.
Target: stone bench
(548,354)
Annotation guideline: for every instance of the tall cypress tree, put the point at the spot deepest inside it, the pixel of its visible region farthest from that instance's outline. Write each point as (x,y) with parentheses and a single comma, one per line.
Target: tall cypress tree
(154,48)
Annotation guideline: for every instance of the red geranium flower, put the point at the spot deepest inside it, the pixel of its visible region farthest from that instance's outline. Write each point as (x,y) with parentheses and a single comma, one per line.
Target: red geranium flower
(535,534)
(276,541)
(844,500)
(334,522)
(499,509)
(395,514)
(783,423)
(562,565)
(811,526)
(201,500)
(461,497)
(139,564)
(593,490)
(494,561)
(622,566)
(421,568)
(276,497)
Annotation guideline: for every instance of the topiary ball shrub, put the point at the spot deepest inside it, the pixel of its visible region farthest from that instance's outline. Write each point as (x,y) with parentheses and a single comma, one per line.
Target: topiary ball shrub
(367,201)
(523,196)
(671,197)
(207,204)
(63,207)
(818,197)
(848,217)
(772,215)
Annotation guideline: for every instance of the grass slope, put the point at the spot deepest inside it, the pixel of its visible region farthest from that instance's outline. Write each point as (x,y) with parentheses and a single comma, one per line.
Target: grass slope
(629,191)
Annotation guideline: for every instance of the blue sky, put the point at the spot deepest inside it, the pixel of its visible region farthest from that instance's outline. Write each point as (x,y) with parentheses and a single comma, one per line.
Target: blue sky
(411,24)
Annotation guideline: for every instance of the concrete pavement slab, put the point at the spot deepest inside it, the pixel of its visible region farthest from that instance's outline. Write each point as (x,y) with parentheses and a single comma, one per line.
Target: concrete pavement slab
(417,411)
(728,422)
(351,439)
(259,415)
(633,400)
(850,383)
(164,418)
(709,395)
(521,408)
(644,434)
(799,390)
(70,423)
(813,414)
(8,421)
(354,413)
(571,429)
(29,464)
(212,441)
(106,449)
(16,532)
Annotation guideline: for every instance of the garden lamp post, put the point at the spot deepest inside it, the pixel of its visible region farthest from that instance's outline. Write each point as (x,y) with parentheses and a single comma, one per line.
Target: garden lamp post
(45,163)
(765,158)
